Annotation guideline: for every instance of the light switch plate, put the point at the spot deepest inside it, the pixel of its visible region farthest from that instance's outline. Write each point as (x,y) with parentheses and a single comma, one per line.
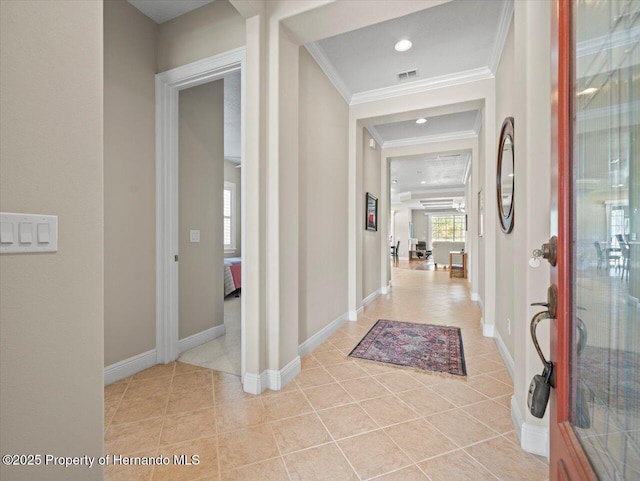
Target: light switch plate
(194,236)
(28,233)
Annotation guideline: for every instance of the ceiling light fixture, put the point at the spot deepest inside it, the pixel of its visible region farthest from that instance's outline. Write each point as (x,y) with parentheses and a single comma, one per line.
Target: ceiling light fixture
(421,121)
(394,181)
(423,182)
(403,45)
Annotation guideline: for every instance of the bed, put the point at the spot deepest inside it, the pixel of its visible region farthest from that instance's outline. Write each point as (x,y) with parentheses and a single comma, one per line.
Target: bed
(232,275)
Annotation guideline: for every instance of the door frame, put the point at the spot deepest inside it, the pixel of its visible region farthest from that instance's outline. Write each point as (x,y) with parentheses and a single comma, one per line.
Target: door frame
(567,458)
(168,86)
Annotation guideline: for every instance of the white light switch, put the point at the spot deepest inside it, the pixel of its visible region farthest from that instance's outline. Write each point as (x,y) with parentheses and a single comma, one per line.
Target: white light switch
(44,233)
(6,233)
(26,233)
(194,236)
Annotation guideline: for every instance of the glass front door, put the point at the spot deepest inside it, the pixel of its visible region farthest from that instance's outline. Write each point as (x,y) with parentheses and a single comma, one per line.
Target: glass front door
(604,395)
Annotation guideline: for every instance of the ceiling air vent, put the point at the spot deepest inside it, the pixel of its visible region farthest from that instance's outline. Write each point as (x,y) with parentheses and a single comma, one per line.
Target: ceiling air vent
(408,75)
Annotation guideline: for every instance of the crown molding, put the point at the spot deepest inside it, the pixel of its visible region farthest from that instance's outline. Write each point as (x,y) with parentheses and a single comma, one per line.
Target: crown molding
(315,50)
(423,85)
(376,135)
(429,139)
(501,37)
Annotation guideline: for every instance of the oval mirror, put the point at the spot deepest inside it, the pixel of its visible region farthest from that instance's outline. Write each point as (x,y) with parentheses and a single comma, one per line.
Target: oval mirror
(506,175)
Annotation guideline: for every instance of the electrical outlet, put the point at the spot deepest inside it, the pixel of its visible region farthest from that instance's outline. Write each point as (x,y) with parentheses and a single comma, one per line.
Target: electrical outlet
(509,325)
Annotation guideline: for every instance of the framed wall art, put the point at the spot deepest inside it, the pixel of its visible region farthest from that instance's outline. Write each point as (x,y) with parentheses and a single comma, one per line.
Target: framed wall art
(371,220)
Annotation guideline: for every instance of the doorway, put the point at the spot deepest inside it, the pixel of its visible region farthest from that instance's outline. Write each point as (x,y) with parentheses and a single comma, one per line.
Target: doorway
(191,315)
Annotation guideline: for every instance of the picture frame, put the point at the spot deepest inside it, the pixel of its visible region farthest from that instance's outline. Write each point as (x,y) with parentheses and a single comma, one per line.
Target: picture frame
(480,213)
(371,213)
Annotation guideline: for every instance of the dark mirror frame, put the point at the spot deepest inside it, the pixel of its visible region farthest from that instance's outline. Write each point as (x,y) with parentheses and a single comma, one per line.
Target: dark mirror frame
(506,218)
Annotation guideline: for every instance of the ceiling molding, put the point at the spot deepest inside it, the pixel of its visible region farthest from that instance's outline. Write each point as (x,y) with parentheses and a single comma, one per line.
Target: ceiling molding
(424,85)
(501,37)
(326,66)
(376,135)
(429,139)
(233,158)
(477,125)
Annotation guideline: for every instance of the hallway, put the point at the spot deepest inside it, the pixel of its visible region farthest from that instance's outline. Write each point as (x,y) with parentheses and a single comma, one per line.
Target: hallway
(341,419)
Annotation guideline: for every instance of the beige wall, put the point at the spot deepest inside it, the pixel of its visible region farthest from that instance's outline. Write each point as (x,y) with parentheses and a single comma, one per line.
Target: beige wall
(505,254)
(371,240)
(323,199)
(51,305)
(129,181)
(420,225)
(201,172)
(206,31)
(232,174)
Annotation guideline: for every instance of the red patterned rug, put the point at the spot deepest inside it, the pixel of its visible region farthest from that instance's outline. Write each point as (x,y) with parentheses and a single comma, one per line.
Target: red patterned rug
(421,346)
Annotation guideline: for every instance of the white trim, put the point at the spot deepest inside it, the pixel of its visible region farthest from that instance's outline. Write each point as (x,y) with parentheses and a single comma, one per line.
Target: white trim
(533,439)
(315,50)
(353,315)
(254,383)
(234,159)
(385,93)
(201,338)
(371,297)
(501,36)
(376,135)
(430,139)
(130,366)
(506,356)
(272,379)
(477,124)
(168,86)
(385,289)
(488,330)
(322,335)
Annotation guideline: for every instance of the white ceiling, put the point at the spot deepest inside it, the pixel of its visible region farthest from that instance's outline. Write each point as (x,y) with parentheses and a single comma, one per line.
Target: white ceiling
(443,173)
(450,38)
(438,125)
(161,11)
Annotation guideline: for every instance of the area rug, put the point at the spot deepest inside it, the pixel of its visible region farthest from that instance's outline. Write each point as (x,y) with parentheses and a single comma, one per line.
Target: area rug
(420,346)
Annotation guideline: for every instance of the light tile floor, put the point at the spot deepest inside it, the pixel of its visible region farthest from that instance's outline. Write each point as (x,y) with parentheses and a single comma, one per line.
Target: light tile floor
(341,419)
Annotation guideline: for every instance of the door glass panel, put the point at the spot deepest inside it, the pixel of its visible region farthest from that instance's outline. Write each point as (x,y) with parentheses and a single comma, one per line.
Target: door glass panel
(605,363)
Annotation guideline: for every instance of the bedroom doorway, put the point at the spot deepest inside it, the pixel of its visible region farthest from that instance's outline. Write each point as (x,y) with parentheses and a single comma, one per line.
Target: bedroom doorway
(200,214)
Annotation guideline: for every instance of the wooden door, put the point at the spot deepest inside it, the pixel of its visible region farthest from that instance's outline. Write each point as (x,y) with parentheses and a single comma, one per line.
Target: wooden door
(595,340)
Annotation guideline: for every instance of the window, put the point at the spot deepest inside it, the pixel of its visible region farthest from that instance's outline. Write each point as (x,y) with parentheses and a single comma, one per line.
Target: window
(449,227)
(229,216)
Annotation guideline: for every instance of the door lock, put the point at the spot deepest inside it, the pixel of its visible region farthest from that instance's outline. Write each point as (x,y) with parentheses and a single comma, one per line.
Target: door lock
(548,251)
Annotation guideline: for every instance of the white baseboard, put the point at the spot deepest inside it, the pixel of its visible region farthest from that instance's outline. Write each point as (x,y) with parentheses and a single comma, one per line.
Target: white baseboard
(371,297)
(533,439)
(506,356)
(201,338)
(353,315)
(130,366)
(322,335)
(385,289)
(488,330)
(271,379)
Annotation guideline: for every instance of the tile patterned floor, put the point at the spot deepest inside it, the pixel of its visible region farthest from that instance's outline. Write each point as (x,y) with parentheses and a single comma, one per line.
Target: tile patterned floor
(341,419)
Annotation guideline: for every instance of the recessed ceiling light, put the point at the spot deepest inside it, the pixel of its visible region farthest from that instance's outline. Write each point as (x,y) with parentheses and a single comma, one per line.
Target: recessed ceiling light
(394,181)
(421,121)
(588,91)
(423,182)
(403,45)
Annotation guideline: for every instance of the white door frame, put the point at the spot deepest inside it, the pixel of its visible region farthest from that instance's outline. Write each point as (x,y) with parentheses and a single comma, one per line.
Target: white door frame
(168,86)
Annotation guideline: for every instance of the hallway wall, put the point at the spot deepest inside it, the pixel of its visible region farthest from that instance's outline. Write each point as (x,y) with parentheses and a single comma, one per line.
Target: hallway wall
(371,240)
(130,45)
(323,119)
(51,304)
(201,33)
(135,50)
(505,278)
